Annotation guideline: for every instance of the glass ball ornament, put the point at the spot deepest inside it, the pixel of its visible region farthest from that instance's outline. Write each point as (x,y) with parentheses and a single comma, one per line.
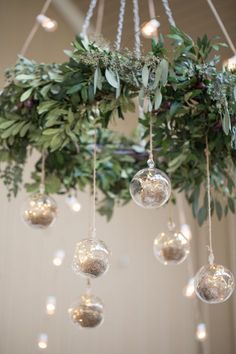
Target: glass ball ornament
(171,247)
(214,283)
(91,258)
(150,188)
(39,211)
(87,312)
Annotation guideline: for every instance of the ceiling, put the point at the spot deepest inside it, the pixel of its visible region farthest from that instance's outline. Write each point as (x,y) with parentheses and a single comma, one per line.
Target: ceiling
(145,311)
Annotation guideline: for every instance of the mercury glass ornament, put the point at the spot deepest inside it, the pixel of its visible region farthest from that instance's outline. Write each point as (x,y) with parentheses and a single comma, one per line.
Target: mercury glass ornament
(91,258)
(214,283)
(87,312)
(171,247)
(150,188)
(39,211)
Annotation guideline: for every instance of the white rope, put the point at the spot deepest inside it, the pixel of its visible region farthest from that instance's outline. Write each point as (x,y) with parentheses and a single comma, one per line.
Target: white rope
(94,184)
(120,25)
(137,46)
(168,12)
(88,17)
(222,26)
(34,29)
(210,248)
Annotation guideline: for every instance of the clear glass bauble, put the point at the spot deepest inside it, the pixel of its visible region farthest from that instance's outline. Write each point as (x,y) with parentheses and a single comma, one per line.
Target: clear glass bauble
(150,188)
(87,312)
(39,211)
(214,283)
(91,258)
(171,247)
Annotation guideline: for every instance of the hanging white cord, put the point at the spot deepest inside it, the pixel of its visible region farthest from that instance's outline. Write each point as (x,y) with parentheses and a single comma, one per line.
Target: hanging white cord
(168,12)
(120,25)
(94,184)
(137,47)
(34,29)
(98,28)
(151,7)
(88,17)
(151,142)
(222,26)
(211,254)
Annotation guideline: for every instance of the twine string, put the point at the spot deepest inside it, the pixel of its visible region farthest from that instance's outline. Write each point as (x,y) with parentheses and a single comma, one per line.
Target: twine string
(151,140)
(94,185)
(120,24)
(34,29)
(42,180)
(168,12)
(88,17)
(137,34)
(210,248)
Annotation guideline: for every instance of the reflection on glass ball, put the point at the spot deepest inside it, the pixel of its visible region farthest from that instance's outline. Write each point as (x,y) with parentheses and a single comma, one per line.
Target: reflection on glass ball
(91,258)
(214,283)
(171,247)
(87,312)
(39,211)
(150,188)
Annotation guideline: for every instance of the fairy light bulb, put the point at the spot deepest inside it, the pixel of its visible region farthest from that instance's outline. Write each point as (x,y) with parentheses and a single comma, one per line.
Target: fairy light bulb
(150,29)
(43,341)
(201,332)
(51,305)
(47,23)
(186,231)
(58,258)
(87,312)
(39,211)
(214,284)
(73,203)
(150,188)
(171,247)
(188,290)
(91,258)
(231,63)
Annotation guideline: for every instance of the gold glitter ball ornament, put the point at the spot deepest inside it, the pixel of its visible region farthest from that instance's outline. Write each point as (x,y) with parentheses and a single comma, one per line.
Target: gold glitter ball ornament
(171,247)
(87,312)
(91,258)
(150,188)
(39,211)
(214,283)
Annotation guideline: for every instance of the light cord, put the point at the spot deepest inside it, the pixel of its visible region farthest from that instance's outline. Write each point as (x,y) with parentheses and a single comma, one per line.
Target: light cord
(151,8)
(210,248)
(94,185)
(137,34)
(168,12)
(34,29)
(98,28)
(120,25)
(88,17)
(222,26)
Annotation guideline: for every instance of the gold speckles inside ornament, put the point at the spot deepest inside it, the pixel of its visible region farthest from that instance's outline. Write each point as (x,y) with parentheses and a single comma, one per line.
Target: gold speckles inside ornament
(214,283)
(39,211)
(150,188)
(87,312)
(171,247)
(91,258)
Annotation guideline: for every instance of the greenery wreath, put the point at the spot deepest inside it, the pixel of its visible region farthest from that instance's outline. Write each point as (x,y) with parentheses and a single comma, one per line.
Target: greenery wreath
(55,108)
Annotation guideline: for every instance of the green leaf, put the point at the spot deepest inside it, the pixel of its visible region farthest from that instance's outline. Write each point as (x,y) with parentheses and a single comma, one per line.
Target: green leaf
(145,75)
(219,210)
(26,95)
(235,93)
(111,78)
(24,77)
(202,215)
(46,106)
(164,71)
(157,99)
(51,131)
(6,124)
(231,204)
(226,121)
(157,77)
(52,184)
(97,79)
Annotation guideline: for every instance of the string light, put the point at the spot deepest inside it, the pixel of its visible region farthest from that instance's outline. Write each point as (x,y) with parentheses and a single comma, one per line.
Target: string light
(47,23)
(51,305)
(149,29)
(189,289)
(58,258)
(201,332)
(43,341)
(186,231)
(73,203)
